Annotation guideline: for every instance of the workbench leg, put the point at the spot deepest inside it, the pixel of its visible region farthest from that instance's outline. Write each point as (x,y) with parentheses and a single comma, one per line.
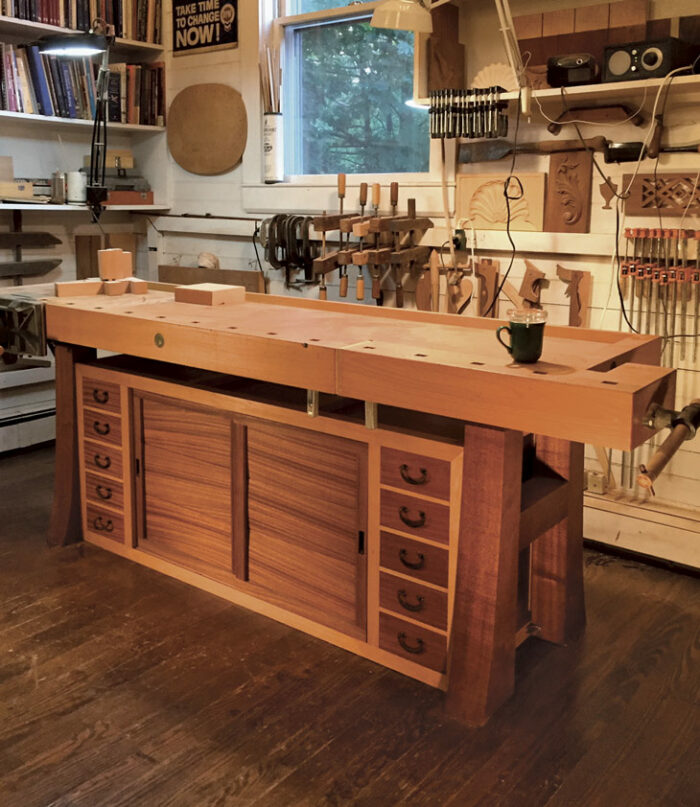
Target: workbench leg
(65,525)
(556,583)
(482,652)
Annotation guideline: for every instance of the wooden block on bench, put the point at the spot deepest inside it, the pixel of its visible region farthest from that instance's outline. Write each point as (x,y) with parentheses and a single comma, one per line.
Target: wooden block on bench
(209,294)
(114,264)
(78,288)
(137,285)
(115,287)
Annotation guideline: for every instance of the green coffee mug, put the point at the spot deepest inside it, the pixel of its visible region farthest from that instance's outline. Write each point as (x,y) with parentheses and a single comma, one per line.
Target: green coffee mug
(526,330)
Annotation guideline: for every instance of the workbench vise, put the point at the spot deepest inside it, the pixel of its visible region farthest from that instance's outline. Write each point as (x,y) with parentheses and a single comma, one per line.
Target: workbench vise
(683,424)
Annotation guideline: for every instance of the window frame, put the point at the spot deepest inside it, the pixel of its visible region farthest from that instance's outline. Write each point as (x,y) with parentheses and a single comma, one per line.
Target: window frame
(305,191)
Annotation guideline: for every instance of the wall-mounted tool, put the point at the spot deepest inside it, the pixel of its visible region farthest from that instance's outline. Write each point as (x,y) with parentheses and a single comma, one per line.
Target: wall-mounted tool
(468,113)
(498,149)
(683,425)
(343,270)
(614,113)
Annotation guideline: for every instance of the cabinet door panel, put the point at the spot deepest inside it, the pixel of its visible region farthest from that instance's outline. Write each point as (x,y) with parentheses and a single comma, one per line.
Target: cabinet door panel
(306,507)
(185,507)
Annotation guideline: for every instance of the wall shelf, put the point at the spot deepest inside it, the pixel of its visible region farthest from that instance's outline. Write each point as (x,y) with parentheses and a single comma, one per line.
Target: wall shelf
(39,120)
(29,31)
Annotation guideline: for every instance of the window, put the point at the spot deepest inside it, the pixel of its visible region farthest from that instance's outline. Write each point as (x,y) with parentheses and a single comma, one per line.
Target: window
(346,85)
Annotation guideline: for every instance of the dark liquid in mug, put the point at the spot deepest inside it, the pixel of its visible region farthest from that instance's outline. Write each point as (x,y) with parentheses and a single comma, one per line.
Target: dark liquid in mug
(526,340)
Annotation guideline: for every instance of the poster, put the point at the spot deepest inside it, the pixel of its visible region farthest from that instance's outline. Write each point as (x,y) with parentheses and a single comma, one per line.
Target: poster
(204,25)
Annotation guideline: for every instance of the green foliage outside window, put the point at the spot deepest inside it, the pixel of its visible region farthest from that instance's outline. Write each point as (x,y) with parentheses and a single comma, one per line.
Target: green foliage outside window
(353,84)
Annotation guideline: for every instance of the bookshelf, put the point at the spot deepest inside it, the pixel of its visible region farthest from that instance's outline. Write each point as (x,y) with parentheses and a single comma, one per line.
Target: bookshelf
(41,144)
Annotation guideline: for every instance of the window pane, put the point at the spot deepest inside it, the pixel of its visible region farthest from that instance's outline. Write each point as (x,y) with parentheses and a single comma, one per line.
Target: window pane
(304,6)
(349,110)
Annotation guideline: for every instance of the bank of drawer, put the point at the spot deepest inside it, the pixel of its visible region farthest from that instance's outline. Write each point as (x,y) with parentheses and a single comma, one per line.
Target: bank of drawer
(415,516)
(420,645)
(100,395)
(416,473)
(422,561)
(102,459)
(101,521)
(104,492)
(411,599)
(102,426)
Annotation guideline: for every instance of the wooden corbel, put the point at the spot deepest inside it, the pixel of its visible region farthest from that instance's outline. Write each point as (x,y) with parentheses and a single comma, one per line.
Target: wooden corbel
(531,286)
(578,290)
(487,272)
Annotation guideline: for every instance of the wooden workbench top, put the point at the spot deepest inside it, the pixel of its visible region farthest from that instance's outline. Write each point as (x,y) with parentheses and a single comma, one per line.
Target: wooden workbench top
(590,386)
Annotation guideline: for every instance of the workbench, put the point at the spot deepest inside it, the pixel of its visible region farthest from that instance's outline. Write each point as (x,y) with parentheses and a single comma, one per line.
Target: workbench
(386,480)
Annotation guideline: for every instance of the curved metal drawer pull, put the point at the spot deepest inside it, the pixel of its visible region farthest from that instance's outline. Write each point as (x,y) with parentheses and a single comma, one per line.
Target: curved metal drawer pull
(101,428)
(100,396)
(411,522)
(104,492)
(402,596)
(409,564)
(102,462)
(417,649)
(101,525)
(413,480)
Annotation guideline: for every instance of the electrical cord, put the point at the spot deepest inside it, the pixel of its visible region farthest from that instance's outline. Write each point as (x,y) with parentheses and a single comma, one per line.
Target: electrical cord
(256,232)
(506,193)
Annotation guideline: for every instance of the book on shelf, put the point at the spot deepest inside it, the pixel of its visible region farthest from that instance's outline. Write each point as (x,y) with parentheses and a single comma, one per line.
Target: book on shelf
(44,84)
(132,19)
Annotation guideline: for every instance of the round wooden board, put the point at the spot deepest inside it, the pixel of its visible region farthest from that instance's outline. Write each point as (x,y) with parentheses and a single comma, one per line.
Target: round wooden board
(207,128)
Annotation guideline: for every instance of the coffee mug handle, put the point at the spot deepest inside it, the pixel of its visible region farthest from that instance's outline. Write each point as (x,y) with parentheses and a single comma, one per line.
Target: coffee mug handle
(498,336)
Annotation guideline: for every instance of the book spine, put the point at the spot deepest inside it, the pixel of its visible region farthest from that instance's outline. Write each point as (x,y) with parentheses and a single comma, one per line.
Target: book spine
(67,88)
(39,80)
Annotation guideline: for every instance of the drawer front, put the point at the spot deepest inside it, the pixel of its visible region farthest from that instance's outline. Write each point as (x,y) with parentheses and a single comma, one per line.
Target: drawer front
(105,523)
(415,473)
(415,516)
(422,561)
(101,395)
(404,597)
(102,426)
(104,492)
(420,645)
(103,459)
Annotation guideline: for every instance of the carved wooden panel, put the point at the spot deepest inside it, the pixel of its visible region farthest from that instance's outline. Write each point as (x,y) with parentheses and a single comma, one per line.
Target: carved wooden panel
(670,194)
(481,203)
(568,204)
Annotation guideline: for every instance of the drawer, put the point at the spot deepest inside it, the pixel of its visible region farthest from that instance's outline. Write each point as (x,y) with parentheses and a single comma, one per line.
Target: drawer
(102,426)
(420,645)
(103,491)
(103,459)
(101,395)
(416,473)
(422,561)
(101,522)
(413,599)
(415,516)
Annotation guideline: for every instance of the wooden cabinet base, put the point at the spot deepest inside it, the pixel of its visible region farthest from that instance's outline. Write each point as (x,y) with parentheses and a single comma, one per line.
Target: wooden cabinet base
(399,543)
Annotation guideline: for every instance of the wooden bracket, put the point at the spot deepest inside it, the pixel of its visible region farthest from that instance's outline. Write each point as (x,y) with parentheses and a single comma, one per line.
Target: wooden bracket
(487,272)
(579,293)
(531,285)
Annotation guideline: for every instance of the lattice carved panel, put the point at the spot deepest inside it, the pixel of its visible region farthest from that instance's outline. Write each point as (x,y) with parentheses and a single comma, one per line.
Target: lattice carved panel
(670,194)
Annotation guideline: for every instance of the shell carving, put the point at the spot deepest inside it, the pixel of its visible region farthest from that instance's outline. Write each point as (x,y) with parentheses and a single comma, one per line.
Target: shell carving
(488,207)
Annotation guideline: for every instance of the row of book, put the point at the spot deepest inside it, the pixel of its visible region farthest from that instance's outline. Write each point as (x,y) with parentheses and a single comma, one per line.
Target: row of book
(132,19)
(41,84)
(137,93)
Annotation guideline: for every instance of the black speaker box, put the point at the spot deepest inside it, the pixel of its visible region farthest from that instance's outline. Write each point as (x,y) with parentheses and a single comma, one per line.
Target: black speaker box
(652,59)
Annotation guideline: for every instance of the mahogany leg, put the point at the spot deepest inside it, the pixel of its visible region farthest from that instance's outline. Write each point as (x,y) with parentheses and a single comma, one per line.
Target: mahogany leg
(556,583)
(65,525)
(482,651)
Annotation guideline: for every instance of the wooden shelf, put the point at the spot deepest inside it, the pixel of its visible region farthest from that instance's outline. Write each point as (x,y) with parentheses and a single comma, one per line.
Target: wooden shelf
(31,31)
(26,117)
(683,89)
(80,208)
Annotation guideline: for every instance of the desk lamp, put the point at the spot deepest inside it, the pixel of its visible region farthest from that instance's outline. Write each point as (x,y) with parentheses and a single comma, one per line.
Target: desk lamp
(98,40)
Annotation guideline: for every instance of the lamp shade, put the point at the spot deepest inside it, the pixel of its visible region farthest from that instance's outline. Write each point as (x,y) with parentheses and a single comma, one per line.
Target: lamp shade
(74,45)
(406,15)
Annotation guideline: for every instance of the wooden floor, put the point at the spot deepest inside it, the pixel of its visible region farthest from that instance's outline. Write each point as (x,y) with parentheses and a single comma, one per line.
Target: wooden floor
(119,686)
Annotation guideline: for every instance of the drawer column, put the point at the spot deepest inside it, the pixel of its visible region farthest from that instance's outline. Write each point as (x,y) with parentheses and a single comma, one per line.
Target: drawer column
(481,665)
(65,524)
